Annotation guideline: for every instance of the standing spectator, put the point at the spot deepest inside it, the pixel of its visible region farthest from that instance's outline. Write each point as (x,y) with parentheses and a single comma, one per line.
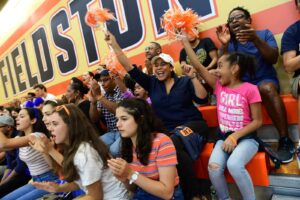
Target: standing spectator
(241,36)
(290,50)
(41,91)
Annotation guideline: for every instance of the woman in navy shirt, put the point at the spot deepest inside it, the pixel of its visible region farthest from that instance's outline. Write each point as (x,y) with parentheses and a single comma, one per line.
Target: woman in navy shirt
(173,101)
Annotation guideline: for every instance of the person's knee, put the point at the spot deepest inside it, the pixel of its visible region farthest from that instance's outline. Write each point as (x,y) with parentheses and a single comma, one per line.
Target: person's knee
(214,167)
(234,167)
(268,90)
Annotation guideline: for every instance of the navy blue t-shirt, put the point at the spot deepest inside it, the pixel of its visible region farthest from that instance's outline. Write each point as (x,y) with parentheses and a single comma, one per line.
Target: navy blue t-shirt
(291,41)
(264,69)
(175,108)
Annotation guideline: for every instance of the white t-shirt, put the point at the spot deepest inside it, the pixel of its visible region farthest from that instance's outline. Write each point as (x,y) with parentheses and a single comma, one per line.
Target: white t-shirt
(90,170)
(50,97)
(34,159)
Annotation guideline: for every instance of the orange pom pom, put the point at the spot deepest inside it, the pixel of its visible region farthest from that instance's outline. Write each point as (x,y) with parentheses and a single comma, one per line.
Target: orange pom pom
(94,17)
(113,65)
(90,19)
(176,22)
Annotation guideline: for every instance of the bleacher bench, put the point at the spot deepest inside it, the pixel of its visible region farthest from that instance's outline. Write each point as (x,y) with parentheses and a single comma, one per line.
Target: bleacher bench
(259,166)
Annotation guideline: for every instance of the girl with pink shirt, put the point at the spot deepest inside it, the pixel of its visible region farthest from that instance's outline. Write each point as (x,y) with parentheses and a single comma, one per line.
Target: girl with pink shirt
(239,116)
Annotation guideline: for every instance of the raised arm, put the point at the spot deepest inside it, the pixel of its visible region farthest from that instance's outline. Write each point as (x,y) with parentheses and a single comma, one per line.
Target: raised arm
(122,58)
(200,91)
(209,78)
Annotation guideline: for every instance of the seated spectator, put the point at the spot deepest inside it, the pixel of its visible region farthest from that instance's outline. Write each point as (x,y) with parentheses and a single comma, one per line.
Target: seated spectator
(75,94)
(153,49)
(290,50)
(172,100)
(16,173)
(236,144)
(29,123)
(148,156)
(87,77)
(241,36)
(41,91)
(104,105)
(84,158)
(206,52)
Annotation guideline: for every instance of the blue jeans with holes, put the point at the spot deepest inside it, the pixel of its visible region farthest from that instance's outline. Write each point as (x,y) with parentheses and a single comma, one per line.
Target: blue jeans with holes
(235,162)
(141,194)
(28,191)
(113,141)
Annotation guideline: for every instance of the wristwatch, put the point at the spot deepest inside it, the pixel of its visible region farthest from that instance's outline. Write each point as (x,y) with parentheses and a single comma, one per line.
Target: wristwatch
(134,177)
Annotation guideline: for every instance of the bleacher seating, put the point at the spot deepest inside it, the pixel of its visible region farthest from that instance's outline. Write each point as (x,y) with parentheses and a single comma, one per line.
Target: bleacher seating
(259,166)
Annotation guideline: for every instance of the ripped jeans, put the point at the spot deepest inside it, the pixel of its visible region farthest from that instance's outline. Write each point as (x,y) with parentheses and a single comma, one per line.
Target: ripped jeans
(235,162)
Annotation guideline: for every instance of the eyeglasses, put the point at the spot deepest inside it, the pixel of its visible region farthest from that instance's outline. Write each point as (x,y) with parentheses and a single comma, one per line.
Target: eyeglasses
(161,64)
(149,48)
(237,17)
(63,107)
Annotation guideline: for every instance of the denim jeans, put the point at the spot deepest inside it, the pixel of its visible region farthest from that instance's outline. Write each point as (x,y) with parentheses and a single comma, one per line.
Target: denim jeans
(113,141)
(235,162)
(141,194)
(28,191)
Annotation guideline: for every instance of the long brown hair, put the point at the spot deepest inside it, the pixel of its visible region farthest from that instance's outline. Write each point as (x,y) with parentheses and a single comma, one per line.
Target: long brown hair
(80,130)
(148,124)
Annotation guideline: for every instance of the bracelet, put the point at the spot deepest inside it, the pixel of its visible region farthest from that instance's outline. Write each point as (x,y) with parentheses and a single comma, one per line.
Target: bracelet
(232,139)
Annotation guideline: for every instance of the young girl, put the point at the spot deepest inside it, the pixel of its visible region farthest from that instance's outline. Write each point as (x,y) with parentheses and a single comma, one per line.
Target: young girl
(84,159)
(239,115)
(29,121)
(148,156)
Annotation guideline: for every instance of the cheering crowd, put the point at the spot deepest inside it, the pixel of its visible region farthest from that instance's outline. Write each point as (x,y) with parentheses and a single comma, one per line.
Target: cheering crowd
(137,136)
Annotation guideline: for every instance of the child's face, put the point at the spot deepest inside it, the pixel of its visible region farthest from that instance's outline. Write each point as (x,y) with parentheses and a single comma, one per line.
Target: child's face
(223,71)
(139,92)
(58,129)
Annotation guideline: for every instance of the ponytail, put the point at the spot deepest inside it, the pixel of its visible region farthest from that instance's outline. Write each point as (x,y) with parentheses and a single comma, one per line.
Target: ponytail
(246,62)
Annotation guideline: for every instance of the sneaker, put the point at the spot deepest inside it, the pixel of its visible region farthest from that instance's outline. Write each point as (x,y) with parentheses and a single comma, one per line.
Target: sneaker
(286,150)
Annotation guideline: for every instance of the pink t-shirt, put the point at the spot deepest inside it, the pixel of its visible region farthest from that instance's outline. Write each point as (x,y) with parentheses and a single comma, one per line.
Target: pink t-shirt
(233,105)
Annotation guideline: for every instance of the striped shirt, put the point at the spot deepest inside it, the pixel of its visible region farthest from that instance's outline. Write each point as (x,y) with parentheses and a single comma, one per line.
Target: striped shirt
(35,160)
(163,154)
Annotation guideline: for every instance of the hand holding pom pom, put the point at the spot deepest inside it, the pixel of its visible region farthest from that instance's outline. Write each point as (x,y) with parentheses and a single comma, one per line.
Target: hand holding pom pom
(177,22)
(95,17)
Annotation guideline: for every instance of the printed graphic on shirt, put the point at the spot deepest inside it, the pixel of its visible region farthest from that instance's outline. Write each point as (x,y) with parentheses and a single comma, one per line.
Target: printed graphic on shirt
(231,114)
(201,55)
